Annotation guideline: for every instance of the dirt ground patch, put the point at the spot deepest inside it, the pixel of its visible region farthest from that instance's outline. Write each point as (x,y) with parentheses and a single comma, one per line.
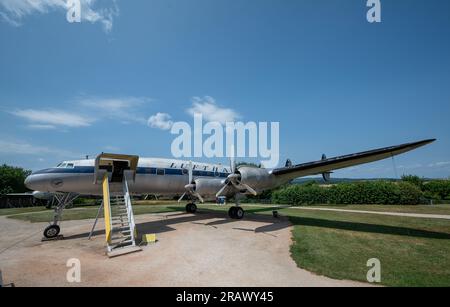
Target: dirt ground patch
(206,249)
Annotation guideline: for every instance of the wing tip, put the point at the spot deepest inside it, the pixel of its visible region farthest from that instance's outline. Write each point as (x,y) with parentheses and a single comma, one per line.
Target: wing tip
(425,142)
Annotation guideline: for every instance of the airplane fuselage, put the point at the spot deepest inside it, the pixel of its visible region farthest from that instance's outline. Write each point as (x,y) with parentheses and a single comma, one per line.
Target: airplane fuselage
(153,176)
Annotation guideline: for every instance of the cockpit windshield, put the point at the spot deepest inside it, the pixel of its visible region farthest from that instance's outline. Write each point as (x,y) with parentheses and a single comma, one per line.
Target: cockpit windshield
(65,165)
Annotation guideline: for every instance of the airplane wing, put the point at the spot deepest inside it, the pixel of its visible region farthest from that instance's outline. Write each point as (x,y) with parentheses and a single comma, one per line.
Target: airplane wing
(327,165)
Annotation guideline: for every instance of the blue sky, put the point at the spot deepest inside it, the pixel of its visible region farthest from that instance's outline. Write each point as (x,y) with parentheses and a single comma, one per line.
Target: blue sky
(336,83)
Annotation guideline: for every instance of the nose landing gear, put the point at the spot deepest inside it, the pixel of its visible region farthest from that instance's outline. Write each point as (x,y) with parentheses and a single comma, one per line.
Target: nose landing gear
(52,231)
(63,200)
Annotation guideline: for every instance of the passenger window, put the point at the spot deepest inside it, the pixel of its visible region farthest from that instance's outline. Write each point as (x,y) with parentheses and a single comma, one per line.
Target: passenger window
(185,171)
(69,165)
(160,171)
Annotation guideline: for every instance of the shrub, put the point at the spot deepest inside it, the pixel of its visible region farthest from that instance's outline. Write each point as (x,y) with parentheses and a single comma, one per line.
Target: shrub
(440,189)
(370,192)
(415,180)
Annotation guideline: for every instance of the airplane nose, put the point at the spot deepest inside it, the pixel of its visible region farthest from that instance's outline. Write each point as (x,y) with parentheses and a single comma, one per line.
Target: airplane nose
(29,182)
(34,182)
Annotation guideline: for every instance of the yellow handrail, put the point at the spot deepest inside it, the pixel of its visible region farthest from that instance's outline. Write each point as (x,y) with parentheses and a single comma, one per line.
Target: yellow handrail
(107,208)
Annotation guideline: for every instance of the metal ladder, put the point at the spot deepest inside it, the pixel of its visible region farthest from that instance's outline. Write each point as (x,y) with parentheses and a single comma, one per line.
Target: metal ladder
(120,228)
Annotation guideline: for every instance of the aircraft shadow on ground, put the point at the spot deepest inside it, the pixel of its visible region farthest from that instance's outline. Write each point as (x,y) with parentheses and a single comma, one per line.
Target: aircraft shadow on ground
(369,228)
(166,222)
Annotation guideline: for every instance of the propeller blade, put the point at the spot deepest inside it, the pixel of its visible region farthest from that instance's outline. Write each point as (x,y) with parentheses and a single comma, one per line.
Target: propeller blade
(190,171)
(199,197)
(182,196)
(232,160)
(249,189)
(221,190)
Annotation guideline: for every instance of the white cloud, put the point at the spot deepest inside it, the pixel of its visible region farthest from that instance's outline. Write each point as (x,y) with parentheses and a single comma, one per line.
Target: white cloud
(411,166)
(440,164)
(22,148)
(161,121)
(123,109)
(113,104)
(211,111)
(41,127)
(14,11)
(48,118)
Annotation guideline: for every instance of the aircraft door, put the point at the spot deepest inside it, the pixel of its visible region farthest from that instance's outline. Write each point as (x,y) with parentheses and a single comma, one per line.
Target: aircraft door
(118,170)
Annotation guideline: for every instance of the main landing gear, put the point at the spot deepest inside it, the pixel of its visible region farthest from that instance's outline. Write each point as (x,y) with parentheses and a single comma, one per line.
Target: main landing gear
(191,208)
(63,200)
(236,213)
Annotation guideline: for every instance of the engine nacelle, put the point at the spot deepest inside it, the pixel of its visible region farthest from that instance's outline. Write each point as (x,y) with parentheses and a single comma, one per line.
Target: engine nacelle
(208,187)
(257,178)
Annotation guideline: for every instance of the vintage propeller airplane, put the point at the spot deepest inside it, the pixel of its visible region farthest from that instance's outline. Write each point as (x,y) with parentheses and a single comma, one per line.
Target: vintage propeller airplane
(196,181)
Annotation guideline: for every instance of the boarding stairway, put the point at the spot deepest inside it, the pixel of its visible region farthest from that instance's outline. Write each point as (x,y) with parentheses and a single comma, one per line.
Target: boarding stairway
(120,227)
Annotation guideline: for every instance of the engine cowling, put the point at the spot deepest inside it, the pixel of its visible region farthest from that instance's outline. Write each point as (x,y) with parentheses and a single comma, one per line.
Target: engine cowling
(208,187)
(257,178)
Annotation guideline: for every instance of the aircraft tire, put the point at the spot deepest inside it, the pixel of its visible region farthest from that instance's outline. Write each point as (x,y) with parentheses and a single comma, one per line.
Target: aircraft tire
(239,213)
(232,212)
(191,208)
(51,231)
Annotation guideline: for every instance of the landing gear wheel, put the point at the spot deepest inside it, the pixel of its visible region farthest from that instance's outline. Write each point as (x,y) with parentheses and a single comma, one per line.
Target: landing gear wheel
(51,231)
(239,213)
(232,212)
(191,208)
(236,213)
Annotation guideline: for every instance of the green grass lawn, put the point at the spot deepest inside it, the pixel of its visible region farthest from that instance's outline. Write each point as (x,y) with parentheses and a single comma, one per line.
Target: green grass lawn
(412,251)
(10,211)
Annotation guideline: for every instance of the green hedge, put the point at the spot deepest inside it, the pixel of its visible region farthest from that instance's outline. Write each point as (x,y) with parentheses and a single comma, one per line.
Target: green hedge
(369,192)
(437,189)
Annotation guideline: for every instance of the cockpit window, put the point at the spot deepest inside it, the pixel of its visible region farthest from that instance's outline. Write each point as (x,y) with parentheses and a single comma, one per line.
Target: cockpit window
(65,165)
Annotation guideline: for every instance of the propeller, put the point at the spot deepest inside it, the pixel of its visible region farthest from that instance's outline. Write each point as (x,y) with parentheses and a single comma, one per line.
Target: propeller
(190,187)
(233,179)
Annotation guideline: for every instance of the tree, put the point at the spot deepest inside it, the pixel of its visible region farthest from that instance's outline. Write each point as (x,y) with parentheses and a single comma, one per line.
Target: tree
(415,180)
(12,179)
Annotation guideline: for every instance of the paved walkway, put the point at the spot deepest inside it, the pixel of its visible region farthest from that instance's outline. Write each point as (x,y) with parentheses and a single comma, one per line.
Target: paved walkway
(419,215)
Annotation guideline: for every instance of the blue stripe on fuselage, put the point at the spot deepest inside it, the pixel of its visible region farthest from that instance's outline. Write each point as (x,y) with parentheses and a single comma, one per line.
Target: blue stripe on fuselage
(140,170)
